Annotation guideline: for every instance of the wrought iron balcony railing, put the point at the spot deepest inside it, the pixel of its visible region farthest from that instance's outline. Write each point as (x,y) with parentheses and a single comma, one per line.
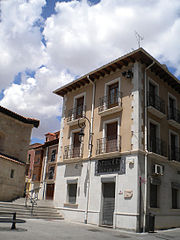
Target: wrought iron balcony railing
(158,146)
(73,152)
(77,112)
(110,101)
(174,153)
(174,114)
(156,102)
(106,145)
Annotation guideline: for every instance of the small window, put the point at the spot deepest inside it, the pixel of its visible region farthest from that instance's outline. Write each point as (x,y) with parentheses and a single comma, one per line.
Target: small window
(174,198)
(12,173)
(34,177)
(153,196)
(51,173)
(53,155)
(72,192)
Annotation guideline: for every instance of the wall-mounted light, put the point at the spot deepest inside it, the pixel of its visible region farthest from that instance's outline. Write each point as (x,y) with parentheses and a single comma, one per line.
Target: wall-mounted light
(81,134)
(127,74)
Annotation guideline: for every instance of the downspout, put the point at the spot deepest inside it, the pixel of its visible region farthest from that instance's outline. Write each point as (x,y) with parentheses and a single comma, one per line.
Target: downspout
(44,171)
(146,147)
(90,149)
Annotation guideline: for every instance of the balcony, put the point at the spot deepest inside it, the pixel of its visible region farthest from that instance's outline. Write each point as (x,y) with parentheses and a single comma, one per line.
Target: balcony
(76,114)
(156,105)
(73,152)
(174,154)
(174,117)
(158,146)
(105,145)
(110,104)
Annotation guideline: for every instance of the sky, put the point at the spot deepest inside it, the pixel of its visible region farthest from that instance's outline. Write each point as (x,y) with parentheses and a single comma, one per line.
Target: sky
(46,44)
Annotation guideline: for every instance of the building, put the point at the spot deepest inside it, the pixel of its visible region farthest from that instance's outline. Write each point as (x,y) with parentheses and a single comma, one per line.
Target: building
(41,166)
(119,156)
(15,134)
(30,166)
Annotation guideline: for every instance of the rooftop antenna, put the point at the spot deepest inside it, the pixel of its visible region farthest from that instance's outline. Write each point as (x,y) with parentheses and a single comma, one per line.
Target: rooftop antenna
(139,38)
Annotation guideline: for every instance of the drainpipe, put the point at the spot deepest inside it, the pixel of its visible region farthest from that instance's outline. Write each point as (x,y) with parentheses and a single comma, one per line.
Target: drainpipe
(146,147)
(90,149)
(44,171)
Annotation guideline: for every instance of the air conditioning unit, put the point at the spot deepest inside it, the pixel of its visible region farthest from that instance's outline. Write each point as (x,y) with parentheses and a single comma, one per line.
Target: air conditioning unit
(158,169)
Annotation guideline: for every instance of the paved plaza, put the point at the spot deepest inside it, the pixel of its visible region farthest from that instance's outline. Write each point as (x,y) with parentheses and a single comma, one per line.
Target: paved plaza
(61,230)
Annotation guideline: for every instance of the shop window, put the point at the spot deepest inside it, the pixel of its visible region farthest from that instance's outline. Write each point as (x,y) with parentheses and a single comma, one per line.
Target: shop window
(72,192)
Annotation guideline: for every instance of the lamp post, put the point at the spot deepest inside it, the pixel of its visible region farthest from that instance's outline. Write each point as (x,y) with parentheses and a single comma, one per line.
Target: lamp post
(81,134)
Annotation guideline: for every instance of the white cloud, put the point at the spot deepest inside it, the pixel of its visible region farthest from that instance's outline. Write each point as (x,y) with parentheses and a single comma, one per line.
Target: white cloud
(79,38)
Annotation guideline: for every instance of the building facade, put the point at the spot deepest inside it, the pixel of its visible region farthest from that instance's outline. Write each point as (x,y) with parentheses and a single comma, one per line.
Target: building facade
(30,167)
(15,134)
(119,157)
(41,167)
(48,179)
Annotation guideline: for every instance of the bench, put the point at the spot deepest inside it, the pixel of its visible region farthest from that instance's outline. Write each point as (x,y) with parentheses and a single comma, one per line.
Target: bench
(12,220)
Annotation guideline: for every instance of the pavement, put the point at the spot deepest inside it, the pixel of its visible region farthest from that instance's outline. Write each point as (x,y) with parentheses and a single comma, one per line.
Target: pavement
(38,229)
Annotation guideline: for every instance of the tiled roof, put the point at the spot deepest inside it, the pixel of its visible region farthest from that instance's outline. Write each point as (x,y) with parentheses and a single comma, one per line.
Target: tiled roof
(14,115)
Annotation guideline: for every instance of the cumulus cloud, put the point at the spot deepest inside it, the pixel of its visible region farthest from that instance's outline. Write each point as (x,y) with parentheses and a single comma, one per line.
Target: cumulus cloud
(79,37)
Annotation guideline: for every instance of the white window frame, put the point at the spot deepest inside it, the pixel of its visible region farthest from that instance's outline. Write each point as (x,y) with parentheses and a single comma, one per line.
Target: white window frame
(71,140)
(68,182)
(150,80)
(173,97)
(107,87)
(150,120)
(105,130)
(83,94)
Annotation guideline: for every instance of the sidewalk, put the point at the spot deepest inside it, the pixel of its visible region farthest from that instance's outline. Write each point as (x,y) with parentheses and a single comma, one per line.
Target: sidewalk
(37,229)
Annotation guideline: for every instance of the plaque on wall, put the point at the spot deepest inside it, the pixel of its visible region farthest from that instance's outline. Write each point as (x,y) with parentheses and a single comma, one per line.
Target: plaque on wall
(113,165)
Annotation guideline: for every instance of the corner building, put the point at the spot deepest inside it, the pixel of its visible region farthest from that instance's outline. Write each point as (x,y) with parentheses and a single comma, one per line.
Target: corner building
(126,165)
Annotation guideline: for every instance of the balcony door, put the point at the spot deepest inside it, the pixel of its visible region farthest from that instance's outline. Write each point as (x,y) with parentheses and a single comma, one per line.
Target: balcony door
(113,95)
(172,104)
(153,137)
(111,137)
(152,94)
(76,145)
(79,107)
(173,146)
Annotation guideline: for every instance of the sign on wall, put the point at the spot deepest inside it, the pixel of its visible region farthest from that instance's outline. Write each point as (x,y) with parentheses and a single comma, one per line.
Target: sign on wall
(113,165)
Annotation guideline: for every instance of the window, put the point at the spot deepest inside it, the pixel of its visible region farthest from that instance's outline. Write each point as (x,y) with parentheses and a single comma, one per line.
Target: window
(34,177)
(72,192)
(76,145)
(29,158)
(174,198)
(173,146)
(111,137)
(153,196)
(79,107)
(51,172)
(113,95)
(12,173)
(53,155)
(172,107)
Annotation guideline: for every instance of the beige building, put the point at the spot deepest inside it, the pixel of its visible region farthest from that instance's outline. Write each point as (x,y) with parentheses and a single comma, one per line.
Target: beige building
(15,134)
(119,155)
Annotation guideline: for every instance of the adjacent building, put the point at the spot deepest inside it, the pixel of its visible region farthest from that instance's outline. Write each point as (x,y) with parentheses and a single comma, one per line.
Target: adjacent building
(15,134)
(41,167)
(119,148)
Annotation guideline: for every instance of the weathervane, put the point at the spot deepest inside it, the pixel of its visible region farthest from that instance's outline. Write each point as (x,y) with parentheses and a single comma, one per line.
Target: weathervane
(139,38)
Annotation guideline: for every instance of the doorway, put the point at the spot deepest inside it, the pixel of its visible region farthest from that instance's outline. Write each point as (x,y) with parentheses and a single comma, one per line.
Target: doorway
(108,193)
(50,192)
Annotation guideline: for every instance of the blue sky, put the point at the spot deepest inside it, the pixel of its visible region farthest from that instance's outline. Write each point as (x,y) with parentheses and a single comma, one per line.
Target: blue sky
(42,49)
